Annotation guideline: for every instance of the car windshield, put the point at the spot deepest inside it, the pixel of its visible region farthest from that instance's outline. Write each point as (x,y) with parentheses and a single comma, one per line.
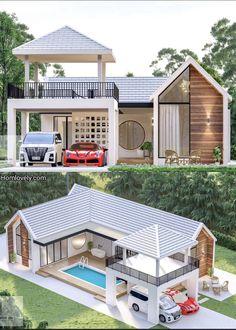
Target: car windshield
(85,147)
(39,139)
(167,302)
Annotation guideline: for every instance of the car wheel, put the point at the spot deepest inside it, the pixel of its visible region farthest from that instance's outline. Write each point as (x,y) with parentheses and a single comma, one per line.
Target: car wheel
(30,164)
(135,307)
(54,164)
(22,164)
(162,318)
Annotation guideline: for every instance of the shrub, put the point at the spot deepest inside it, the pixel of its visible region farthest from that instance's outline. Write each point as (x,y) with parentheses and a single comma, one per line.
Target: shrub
(233,152)
(5,293)
(224,240)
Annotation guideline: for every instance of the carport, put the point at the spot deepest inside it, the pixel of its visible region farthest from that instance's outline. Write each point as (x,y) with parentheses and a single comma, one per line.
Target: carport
(144,255)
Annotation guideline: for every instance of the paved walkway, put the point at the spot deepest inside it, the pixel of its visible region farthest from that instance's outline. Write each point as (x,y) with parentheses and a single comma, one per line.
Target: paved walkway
(47,168)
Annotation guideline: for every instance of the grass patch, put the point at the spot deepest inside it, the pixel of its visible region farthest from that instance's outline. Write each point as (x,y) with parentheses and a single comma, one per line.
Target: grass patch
(60,312)
(225,259)
(226,307)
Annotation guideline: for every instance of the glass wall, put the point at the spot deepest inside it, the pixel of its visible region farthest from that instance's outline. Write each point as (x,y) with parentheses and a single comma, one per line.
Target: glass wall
(174,117)
(53,252)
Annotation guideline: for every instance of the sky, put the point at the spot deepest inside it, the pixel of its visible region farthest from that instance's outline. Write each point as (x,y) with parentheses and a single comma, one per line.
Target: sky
(135,30)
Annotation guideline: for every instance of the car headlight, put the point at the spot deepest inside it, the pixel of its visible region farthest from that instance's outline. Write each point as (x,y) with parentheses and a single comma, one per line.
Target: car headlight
(97,154)
(50,149)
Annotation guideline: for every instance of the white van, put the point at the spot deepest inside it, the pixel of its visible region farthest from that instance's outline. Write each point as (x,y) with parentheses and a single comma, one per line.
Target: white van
(41,148)
(169,311)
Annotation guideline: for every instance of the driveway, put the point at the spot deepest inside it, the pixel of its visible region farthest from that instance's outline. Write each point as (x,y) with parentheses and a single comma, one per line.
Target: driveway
(204,319)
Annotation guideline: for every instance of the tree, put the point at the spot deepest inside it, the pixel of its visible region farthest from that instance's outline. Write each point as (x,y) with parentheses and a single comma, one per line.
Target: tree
(58,70)
(129,74)
(12,35)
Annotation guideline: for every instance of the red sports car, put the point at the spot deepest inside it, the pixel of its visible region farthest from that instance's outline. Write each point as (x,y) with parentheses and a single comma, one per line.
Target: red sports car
(188,305)
(85,153)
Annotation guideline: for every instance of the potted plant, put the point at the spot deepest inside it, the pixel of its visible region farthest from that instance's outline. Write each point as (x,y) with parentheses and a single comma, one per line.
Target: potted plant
(12,257)
(90,246)
(147,147)
(217,155)
(210,272)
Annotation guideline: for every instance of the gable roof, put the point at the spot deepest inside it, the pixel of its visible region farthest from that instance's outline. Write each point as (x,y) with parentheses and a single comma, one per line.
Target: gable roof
(199,68)
(156,242)
(131,89)
(64,41)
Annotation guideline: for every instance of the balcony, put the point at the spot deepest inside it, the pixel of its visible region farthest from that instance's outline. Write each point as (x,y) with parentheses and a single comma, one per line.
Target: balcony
(173,262)
(85,90)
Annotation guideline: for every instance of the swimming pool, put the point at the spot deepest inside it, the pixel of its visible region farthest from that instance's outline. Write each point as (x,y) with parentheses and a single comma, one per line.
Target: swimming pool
(88,274)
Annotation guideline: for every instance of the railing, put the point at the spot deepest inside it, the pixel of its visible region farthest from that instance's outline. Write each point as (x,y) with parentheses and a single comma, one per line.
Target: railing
(114,263)
(64,90)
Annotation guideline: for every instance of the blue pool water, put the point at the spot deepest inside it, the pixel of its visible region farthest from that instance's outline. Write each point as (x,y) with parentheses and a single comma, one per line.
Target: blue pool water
(89,275)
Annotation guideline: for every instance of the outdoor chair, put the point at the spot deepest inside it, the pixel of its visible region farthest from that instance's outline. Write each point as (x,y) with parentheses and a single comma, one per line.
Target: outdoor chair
(225,286)
(216,289)
(171,157)
(195,156)
(205,286)
(215,280)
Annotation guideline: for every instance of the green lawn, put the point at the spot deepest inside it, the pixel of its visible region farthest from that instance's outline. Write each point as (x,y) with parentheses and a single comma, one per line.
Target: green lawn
(60,312)
(225,259)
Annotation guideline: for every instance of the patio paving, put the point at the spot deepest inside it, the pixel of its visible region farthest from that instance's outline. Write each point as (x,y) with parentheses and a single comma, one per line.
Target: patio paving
(223,276)
(47,168)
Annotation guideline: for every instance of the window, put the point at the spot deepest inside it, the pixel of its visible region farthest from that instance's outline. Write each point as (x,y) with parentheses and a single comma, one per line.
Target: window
(138,295)
(174,117)
(174,129)
(53,252)
(178,91)
(131,135)
(18,241)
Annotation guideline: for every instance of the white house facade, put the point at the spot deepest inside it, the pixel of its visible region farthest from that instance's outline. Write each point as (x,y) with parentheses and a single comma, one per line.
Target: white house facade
(185,112)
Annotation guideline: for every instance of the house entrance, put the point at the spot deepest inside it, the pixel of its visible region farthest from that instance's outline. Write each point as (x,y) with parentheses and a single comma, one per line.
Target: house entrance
(63,125)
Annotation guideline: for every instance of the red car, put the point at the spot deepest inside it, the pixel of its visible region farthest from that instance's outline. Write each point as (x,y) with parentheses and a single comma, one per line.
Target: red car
(188,305)
(85,153)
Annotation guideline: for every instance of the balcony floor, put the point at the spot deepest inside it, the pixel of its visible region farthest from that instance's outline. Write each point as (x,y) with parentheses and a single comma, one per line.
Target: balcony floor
(148,265)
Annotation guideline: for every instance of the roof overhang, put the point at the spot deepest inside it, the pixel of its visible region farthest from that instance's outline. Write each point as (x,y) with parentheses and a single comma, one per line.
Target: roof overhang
(199,68)
(64,56)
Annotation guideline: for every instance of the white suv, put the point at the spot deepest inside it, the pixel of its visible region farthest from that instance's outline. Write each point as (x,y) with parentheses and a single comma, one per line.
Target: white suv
(169,311)
(41,148)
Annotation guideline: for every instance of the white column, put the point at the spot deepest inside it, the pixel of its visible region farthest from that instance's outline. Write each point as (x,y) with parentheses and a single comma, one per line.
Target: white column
(186,254)
(192,285)
(124,256)
(112,135)
(11,135)
(35,252)
(157,267)
(27,68)
(226,131)
(153,304)
(99,68)
(155,130)
(24,123)
(36,72)
(110,287)
(103,71)
(113,249)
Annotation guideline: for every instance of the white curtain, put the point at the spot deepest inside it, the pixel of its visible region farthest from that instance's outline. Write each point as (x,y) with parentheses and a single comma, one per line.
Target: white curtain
(169,128)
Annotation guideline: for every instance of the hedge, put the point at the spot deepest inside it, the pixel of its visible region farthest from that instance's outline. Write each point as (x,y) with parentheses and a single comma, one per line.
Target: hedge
(180,168)
(225,240)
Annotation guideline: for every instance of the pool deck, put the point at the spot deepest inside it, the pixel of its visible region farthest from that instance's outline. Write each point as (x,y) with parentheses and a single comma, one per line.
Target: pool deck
(53,270)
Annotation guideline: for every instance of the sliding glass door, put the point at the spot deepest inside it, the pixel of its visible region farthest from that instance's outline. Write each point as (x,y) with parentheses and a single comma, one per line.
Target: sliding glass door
(53,252)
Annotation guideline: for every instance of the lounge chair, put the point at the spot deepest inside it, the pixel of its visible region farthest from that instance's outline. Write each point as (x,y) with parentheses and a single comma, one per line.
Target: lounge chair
(195,156)
(215,280)
(225,286)
(171,157)
(205,286)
